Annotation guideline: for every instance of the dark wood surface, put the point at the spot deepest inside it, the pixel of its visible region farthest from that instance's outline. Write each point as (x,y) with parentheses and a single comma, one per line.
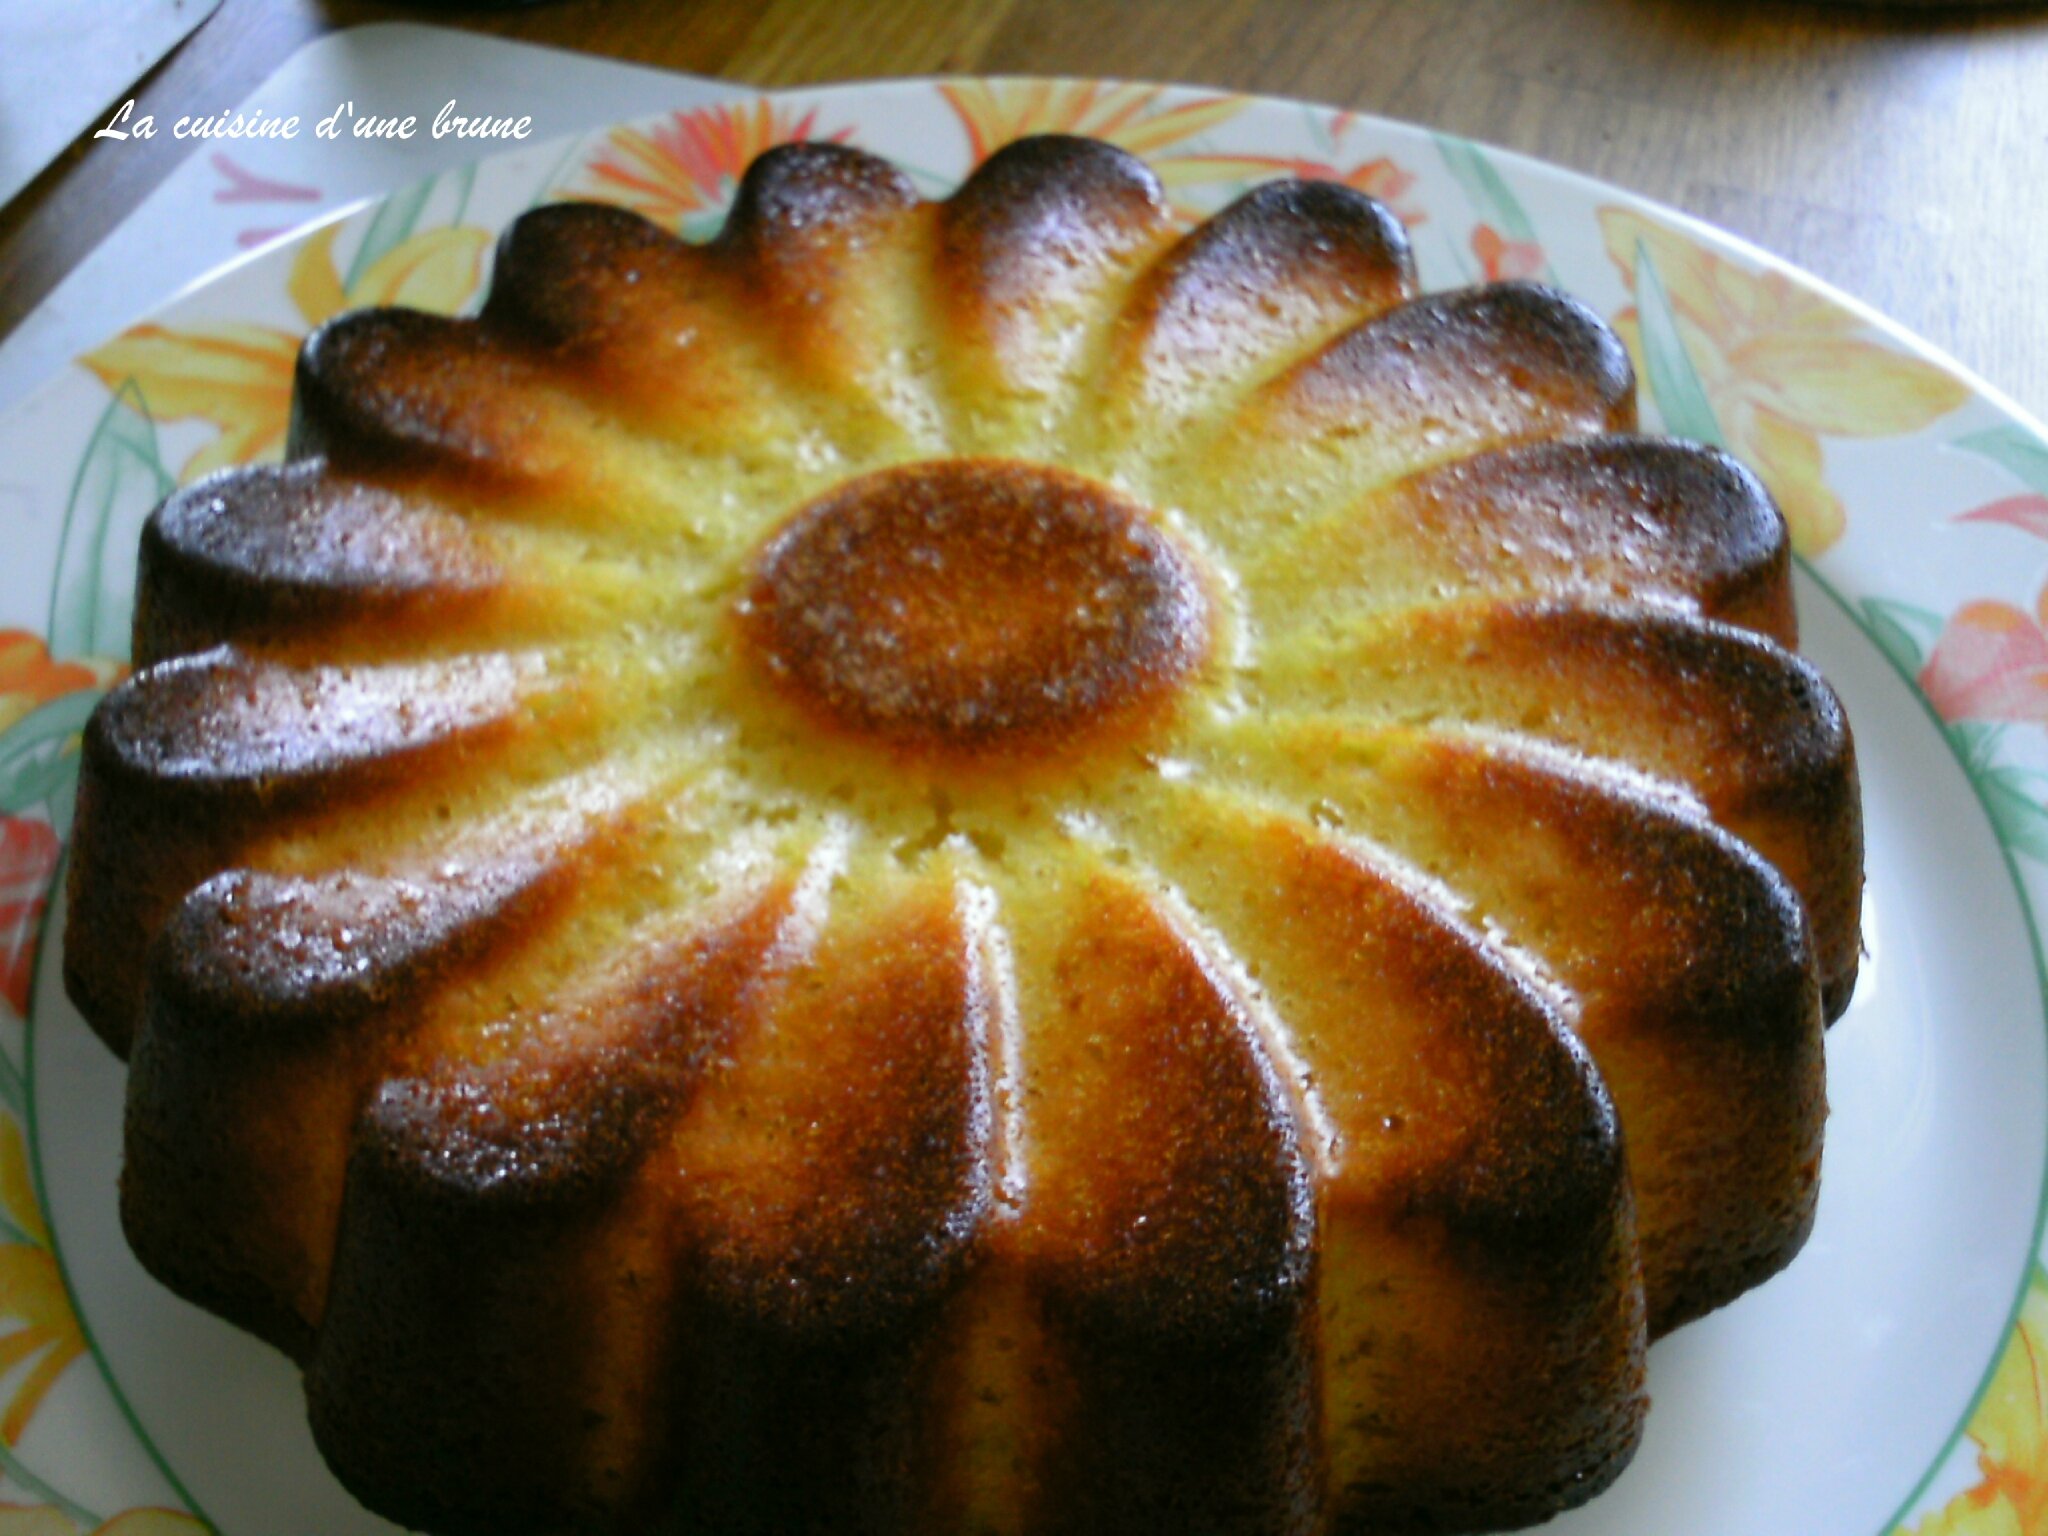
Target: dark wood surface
(1900,153)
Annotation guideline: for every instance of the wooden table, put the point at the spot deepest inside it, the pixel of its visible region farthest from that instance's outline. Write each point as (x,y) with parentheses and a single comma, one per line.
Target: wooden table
(1901,154)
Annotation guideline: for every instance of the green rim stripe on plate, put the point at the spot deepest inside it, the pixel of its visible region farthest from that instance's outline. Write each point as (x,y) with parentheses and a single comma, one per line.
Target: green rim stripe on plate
(2012,870)
(1682,402)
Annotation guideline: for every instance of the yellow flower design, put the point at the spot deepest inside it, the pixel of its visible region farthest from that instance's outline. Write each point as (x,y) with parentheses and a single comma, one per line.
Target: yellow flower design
(239,377)
(44,1332)
(690,164)
(2011,1431)
(1129,116)
(20,1520)
(1782,367)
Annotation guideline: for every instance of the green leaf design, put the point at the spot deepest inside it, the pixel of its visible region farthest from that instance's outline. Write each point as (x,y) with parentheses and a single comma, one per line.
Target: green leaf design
(1674,384)
(465,183)
(1976,742)
(14,1096)
(2022,822)
(35,1487)
(37,764)
(545,188)
(391,228)
(1905,633)
(700,227)
(2014,448)
(120,478)
(1488,193)
(1316,120)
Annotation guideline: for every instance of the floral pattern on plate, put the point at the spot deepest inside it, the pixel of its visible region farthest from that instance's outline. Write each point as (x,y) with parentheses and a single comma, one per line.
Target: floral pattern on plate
(1775,365)
(681,172)
(239,377)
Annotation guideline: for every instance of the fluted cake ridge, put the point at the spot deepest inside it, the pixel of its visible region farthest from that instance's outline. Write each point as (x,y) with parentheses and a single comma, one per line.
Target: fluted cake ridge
(988,865)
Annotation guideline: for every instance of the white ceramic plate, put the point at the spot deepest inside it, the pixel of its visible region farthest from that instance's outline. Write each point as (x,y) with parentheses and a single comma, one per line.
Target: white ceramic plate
(1885,1381)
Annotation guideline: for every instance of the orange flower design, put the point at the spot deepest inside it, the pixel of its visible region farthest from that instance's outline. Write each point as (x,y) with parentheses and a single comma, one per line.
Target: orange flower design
(2011,1431)
(690,165)
(28,858)
(239,377)
(29,678)
(1129,116)
(1504,260)
(1990,663)
(1781,367)
(1380,177)
(2027,512)
(29,846)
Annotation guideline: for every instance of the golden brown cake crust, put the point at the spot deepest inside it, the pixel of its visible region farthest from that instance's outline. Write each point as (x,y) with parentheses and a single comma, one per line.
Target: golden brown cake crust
(298,553)
(934,607)
(988,865)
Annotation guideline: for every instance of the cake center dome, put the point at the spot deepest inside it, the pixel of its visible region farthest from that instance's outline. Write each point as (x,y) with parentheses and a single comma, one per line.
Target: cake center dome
(972,606)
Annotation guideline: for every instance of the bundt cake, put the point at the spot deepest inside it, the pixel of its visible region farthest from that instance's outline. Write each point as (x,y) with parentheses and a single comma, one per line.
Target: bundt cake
(978,866)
